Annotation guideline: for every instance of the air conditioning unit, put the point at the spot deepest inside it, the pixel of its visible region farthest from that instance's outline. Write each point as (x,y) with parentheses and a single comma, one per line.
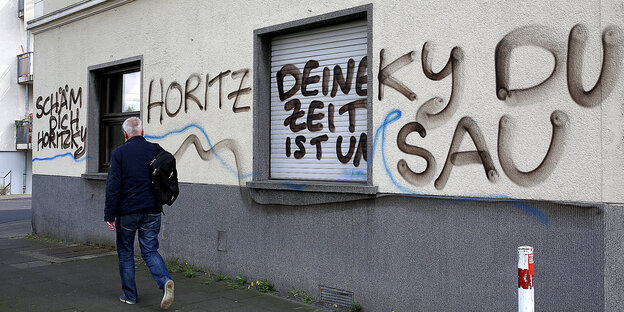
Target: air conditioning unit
(24,68)
(23,134)
(20,8)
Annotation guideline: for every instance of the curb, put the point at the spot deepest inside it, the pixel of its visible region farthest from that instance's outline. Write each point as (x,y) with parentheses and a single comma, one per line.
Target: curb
(15,197)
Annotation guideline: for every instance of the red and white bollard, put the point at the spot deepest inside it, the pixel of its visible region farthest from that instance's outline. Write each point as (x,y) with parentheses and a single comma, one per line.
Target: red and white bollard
(526,299)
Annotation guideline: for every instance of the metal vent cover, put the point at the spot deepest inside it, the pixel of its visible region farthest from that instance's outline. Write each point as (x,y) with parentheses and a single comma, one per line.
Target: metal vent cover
(336,296)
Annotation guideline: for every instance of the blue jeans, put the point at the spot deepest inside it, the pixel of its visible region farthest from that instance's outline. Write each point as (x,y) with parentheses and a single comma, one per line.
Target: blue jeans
(148,226)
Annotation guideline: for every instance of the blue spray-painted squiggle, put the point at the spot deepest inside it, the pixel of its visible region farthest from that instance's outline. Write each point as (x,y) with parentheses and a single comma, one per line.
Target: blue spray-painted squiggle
(381,131)
(514,202)
(294,186)
(491,198)
(81,159)
(534,211)
(353,173)
(221,160)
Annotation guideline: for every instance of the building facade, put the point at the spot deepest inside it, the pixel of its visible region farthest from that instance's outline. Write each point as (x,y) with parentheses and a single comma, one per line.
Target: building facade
(397,153)
(16,78)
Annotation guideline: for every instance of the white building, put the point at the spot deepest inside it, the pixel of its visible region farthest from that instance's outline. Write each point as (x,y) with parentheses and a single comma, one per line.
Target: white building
(16,78)
(397,151)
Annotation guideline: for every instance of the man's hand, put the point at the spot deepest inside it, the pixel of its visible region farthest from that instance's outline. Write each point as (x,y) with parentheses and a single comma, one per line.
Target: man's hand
(111,225)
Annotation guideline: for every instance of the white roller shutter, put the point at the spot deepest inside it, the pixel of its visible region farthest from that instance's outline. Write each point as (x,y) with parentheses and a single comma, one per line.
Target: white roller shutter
(324,51)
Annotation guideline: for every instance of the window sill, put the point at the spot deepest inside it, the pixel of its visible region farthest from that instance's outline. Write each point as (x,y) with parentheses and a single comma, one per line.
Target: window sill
(283,192)
(314,186)
(95,176)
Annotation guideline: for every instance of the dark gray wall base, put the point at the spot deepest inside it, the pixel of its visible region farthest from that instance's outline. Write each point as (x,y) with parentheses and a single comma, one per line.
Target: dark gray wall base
(70,208)
(614,258)
(401,253)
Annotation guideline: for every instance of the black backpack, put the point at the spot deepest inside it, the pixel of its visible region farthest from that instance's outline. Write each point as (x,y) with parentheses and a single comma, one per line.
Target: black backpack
(164,177)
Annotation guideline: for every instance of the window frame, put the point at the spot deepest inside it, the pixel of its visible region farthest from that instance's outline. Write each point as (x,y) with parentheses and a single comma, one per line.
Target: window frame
(113,119)
(261,182)
(97,111)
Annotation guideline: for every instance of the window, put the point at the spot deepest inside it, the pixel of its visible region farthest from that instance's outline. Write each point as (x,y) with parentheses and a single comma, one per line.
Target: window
(115,95)
(318,104)
(24,68)
(312,111)
(20,8)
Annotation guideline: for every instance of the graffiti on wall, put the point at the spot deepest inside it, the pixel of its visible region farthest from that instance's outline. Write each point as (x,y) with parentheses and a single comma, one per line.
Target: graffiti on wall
(434,113)
(431,115)
(60,110)
(175,98)
(193,98)
(63,128)
(207,154)
(314,118)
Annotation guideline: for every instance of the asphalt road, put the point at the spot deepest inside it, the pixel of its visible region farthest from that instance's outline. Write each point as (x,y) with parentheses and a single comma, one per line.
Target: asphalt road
(15,210)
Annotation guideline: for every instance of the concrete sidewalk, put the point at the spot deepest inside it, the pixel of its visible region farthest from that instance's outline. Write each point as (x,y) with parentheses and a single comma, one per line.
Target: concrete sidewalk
(37,275)
(15,196)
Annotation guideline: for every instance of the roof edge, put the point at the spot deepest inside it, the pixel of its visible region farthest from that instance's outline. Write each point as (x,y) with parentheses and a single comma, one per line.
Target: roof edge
(72,13)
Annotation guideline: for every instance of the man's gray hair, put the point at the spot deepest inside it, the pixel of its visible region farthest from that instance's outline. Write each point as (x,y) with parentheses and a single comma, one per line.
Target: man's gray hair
(133,126)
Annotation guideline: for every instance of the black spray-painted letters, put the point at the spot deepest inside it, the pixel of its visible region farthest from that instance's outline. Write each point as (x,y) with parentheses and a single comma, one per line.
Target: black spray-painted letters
(63,129)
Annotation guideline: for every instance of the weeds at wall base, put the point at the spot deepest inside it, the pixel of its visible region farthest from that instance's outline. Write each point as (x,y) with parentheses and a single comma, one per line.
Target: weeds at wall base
(301,295)
(44,238)
(175,266)
(220,277)
(238,282)
(263,286)
(355,307)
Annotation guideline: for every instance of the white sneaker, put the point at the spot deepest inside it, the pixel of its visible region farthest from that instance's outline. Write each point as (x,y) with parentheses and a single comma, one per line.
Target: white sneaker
(167,299)
(123,299)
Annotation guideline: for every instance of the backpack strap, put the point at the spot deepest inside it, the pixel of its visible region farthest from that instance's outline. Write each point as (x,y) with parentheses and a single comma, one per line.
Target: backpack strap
(157,150)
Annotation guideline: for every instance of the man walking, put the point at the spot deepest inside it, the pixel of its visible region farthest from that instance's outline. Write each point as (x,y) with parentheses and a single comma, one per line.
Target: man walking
(131,207)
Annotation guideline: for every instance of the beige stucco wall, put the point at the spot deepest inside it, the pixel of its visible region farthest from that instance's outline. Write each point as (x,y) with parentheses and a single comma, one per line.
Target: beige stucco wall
(181,38)
(50,6)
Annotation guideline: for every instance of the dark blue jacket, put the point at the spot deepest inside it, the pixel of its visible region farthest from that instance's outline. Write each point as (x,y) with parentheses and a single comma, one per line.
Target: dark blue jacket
(128,188)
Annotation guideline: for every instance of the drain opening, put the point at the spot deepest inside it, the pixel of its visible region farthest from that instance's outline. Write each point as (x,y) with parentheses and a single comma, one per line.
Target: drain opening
(336,296)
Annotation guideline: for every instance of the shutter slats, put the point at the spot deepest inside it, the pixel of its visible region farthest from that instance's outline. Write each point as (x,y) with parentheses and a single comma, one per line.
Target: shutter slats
(330,46)
(312,48)
(326,62)
(324,31)
(300,61)
(313,42)
(313,55)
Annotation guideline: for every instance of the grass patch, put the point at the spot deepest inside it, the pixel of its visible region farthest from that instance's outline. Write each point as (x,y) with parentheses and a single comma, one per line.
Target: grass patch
(44,238)
(51,239)
(301,295)
(238,282)
(355,307)
(305,298)
(221,277)
(190,273)
(293,292)
(175,266)
(263,286)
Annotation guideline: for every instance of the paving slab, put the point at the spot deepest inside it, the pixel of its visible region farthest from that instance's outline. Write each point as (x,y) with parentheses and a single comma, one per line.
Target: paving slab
(36,280)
